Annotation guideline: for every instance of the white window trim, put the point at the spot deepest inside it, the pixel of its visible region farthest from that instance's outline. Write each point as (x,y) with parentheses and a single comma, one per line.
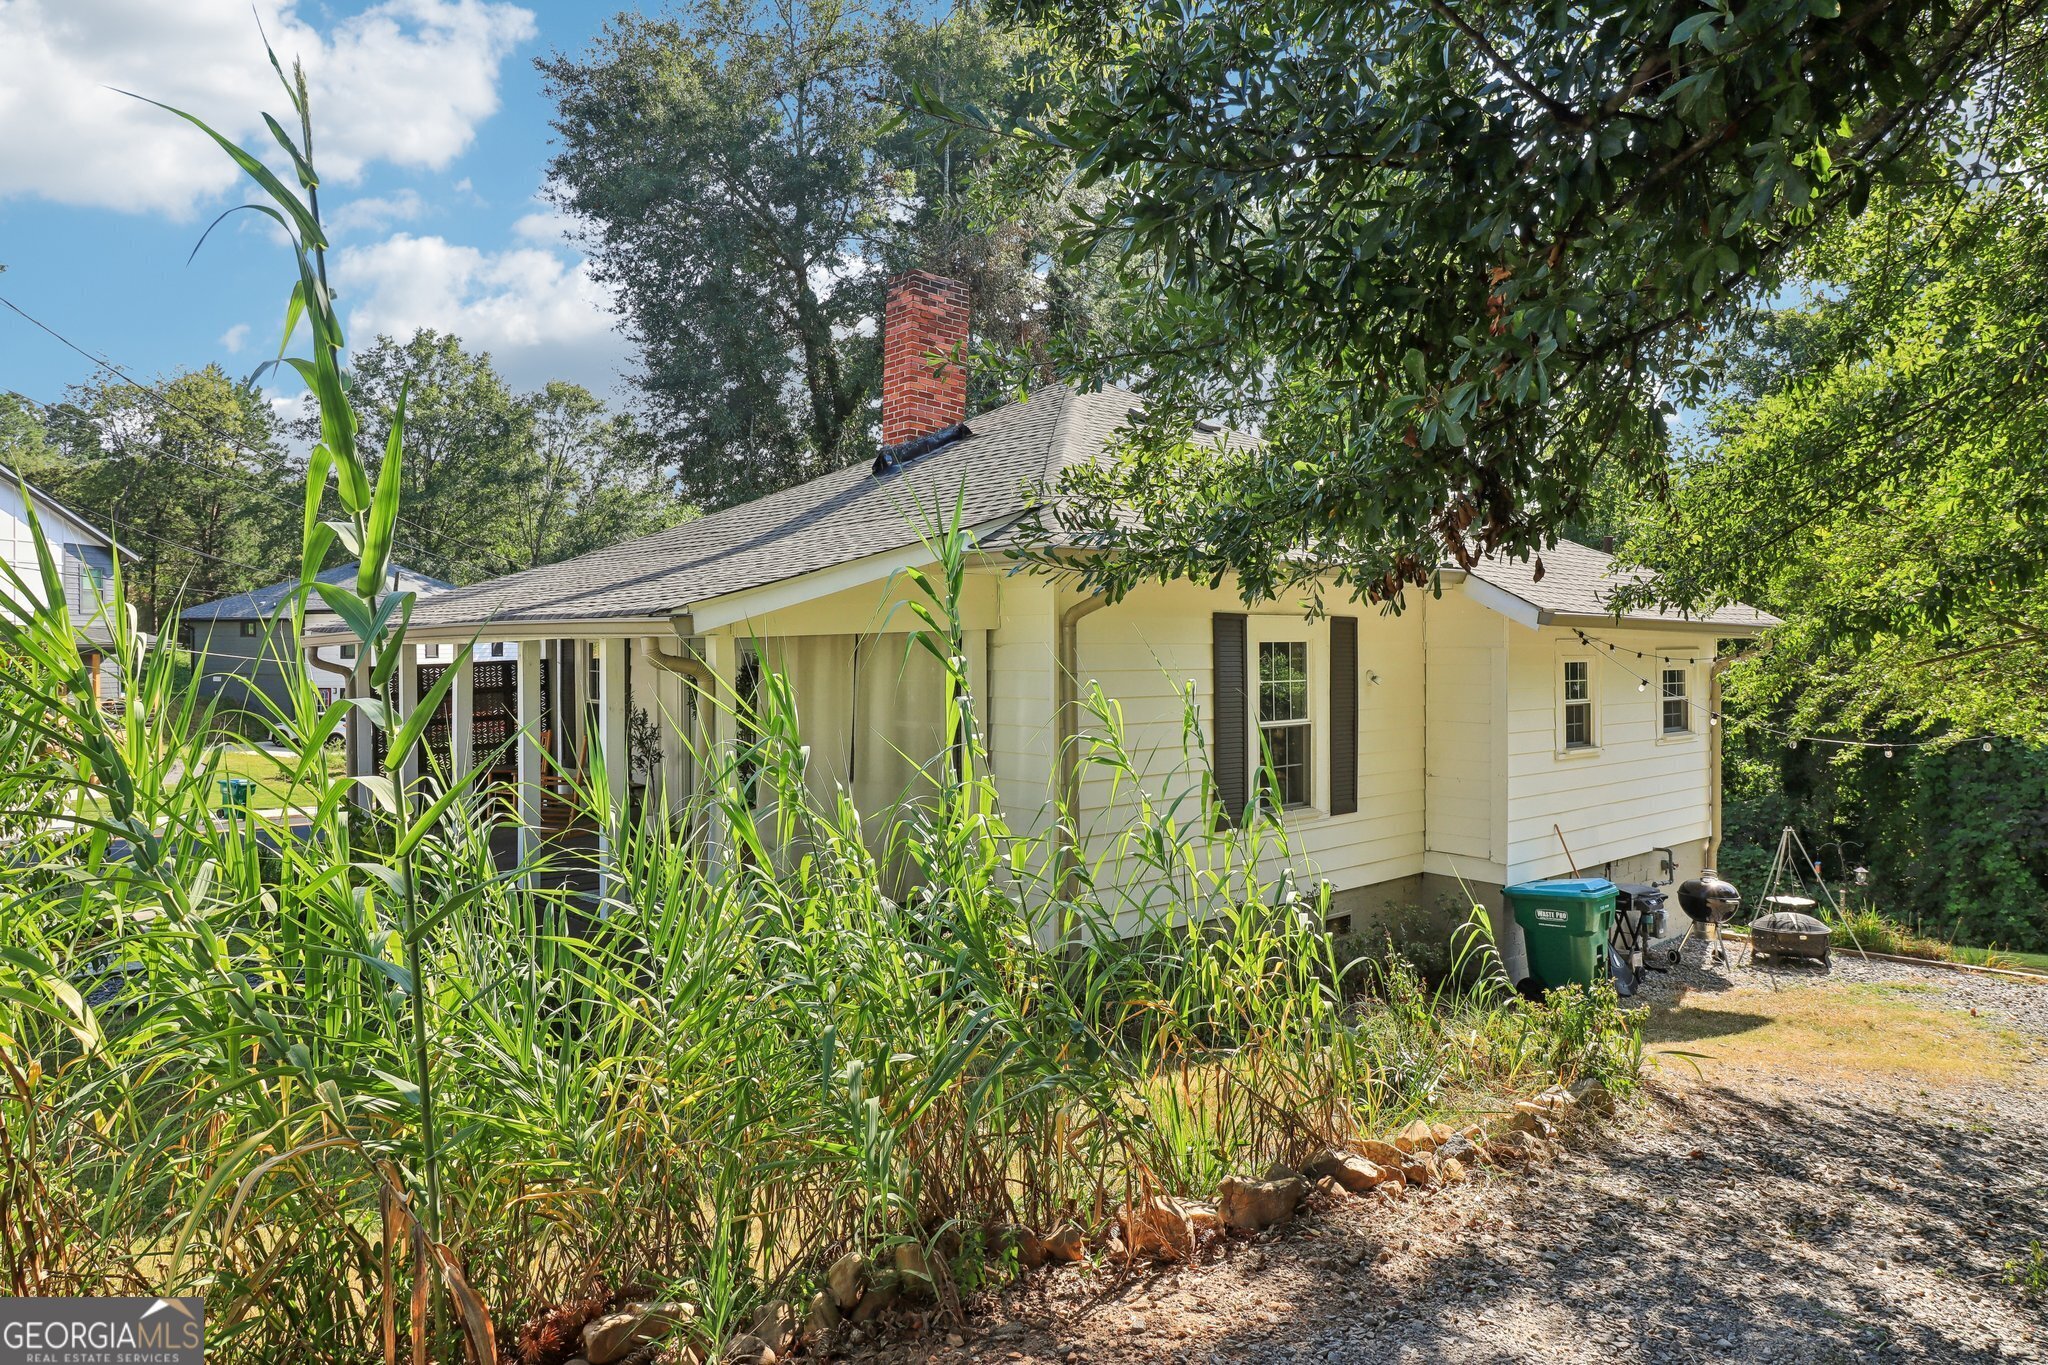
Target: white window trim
(1692,729)
(1594,700)
(1293,628)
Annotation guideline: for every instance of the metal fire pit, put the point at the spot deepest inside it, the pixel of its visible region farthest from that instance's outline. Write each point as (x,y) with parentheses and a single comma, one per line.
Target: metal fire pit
(1791,933)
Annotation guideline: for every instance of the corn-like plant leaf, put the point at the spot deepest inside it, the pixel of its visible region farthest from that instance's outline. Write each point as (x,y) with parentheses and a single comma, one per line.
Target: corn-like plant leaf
(354,612)
(308,227)
(291,90)
(414,725)
(382,526)
(431,816)
(381,789)
(307,180)
(319,466)
(469,1307)
(223,1172)
(394,647)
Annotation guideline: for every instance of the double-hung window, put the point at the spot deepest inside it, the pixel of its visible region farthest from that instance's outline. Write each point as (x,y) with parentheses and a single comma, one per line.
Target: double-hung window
(1677,706)
(1578,704)
(1282,713)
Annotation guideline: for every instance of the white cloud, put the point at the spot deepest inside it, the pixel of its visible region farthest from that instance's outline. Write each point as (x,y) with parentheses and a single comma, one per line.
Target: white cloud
(373,213)
(235,337)
(405,82)
(548,225)
(540,313)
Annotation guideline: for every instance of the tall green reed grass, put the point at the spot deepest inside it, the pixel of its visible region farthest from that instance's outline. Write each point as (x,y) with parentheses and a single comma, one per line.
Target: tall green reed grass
(376,1096)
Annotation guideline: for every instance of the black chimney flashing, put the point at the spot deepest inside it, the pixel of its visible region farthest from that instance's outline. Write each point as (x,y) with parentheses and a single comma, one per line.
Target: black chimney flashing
(903,452)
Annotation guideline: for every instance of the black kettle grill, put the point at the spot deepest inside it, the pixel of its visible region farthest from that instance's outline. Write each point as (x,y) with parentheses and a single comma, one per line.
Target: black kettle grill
(1709,903)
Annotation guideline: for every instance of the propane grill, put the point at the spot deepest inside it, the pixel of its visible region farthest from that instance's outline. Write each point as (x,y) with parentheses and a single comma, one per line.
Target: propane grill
(1639,919)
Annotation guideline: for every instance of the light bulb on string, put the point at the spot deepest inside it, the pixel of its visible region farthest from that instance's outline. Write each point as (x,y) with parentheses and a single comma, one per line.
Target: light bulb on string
(1987,746)
(1887,751)
(1642,684)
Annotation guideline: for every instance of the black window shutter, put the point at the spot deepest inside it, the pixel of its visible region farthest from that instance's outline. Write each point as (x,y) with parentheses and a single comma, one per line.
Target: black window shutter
(1229,758)
(1343,715)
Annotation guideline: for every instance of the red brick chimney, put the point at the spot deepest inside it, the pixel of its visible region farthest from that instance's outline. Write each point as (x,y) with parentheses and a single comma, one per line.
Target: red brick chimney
(924,322)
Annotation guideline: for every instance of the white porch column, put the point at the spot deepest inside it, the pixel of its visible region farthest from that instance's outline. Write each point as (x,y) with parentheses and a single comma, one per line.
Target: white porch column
(613,658)
(717,733)
(462,718)
(532,761)
(562,654)
(408,702)
(361,748)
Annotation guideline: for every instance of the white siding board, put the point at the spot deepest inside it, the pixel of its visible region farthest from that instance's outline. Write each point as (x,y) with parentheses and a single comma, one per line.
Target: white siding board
(1465,644)
(1636,791)
(1146,651)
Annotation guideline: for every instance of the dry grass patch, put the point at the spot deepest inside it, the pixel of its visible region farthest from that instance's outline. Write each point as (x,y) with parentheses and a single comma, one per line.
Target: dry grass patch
(1888,1029)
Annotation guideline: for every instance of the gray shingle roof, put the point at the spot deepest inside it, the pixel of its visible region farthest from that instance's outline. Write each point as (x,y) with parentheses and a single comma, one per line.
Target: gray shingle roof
(992,467)
(831,520)
(259,604)
(1579,580)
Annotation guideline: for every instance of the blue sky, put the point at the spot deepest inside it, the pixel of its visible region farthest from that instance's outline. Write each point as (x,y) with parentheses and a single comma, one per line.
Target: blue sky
(432,132)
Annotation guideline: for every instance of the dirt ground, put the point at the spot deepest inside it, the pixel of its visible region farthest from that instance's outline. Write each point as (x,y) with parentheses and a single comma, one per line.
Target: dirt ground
(1846,1166)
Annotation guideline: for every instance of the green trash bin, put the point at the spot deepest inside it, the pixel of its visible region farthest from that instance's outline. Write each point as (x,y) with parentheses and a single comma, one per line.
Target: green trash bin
(235,793)
(1567,925)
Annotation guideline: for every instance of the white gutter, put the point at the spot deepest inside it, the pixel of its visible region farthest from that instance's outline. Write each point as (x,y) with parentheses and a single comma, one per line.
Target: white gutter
(524,628)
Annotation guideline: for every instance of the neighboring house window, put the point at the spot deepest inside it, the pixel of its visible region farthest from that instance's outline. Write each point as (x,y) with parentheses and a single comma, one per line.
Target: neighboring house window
(249,630)
(348,652)
(1578,704)
(87,571)
(1677,707)
(1284,731)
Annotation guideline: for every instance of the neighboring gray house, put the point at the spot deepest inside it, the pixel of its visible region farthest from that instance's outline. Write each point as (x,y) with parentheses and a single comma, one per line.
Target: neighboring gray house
(85,555)
(238,643)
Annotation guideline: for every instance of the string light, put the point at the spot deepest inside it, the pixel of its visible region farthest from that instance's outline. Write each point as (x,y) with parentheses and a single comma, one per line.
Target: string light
(1792,741)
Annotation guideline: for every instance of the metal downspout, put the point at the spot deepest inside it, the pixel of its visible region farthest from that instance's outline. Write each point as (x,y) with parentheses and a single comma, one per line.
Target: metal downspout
(1714,729)
(1066,738)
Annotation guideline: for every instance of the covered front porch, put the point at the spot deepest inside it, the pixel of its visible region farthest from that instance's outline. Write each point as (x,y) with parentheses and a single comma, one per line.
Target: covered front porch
(582,726)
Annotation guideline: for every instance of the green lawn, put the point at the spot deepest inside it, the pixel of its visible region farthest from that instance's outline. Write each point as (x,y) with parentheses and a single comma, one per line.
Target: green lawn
(272,781)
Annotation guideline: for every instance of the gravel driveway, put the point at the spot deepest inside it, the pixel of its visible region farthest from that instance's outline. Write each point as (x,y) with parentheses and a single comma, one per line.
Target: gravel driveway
(1843,1171)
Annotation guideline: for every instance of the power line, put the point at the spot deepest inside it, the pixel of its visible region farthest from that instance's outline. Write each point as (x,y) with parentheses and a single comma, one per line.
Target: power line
(164,401)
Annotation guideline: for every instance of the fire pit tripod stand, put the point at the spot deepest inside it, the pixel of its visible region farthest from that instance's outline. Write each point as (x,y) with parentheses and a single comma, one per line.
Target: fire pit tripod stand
(1788,927)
